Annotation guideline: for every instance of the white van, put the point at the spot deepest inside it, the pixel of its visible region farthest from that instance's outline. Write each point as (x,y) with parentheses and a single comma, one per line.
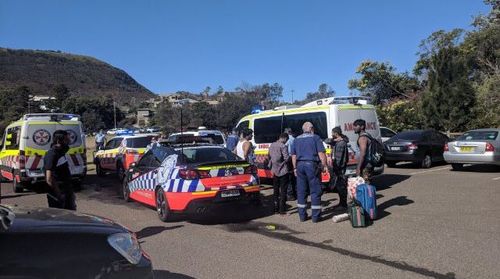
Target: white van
(325,114)
(212,136)
(26,141)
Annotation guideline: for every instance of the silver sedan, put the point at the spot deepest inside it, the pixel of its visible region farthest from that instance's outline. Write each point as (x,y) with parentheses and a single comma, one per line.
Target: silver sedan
(480,146)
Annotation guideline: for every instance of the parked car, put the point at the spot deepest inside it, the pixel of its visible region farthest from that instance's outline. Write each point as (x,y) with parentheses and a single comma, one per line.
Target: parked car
(480,146)
(119,152)
(423,147)
(190,179)
(386,133)
(56,243)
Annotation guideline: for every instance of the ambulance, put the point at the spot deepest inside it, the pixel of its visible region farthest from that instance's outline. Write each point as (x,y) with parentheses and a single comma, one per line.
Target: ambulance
(26,141)
(325,114)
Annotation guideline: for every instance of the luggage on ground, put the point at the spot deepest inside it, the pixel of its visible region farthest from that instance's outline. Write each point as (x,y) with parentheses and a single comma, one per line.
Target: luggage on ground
(352,184)
(366,197)
(357,216)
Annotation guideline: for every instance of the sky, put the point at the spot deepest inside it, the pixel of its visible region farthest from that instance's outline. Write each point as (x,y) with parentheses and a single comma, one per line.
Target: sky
(170,46)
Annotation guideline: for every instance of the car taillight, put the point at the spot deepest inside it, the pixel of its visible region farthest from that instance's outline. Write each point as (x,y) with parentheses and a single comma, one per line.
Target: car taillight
(489,147)
(412,146)
(188,174)
(251,170)
(446,148)
(204,174)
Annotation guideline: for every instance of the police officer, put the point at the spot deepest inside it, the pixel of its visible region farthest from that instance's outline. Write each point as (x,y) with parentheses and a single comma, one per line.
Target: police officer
(58,174)
(309,160)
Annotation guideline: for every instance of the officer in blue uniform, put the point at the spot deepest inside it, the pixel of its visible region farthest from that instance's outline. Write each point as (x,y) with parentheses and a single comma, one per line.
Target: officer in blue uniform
(309,160)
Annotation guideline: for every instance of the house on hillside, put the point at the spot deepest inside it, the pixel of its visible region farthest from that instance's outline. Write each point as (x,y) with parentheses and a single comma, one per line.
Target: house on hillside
(144,117)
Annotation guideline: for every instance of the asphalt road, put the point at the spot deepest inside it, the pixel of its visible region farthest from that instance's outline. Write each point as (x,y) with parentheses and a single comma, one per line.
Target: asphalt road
(432,223)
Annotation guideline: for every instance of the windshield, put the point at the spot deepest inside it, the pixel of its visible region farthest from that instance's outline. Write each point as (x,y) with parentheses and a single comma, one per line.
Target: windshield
(479,135)
(207,155)
(139,142)
(408,135)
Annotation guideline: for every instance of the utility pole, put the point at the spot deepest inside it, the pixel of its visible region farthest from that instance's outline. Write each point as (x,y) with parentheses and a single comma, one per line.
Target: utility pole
(114,112)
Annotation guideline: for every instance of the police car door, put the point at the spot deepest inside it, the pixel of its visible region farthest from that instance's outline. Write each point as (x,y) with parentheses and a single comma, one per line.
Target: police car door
(108,157)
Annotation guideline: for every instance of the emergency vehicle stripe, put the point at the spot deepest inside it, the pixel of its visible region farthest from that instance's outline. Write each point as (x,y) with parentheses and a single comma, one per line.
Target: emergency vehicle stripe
(171,187)
(185,186)
(221,172)
(75,160)
(193,185)
(315,206)
(301,205)
(36,160)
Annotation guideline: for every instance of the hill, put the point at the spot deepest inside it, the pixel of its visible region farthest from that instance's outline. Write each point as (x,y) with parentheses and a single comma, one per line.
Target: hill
(82,75)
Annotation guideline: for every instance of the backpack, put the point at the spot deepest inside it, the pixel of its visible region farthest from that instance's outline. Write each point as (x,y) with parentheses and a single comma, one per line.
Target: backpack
(375,152)
(366,197)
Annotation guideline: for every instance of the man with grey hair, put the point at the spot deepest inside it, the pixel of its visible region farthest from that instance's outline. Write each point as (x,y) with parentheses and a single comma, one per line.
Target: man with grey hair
(309,160)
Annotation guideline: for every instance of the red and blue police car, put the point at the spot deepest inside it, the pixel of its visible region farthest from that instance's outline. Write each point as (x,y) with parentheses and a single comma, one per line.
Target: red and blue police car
(190,178)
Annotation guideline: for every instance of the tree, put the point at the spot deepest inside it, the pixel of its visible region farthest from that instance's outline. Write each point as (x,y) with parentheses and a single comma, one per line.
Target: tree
(380,82)
(97,113)
(171,119)
(449,98)
(324,91)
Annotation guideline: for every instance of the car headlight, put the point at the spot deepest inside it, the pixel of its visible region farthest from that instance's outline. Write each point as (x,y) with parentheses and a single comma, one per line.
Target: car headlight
(127,245)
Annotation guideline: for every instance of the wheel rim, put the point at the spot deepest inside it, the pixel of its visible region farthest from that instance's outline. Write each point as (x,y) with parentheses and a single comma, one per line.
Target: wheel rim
(160,203)
(427,161)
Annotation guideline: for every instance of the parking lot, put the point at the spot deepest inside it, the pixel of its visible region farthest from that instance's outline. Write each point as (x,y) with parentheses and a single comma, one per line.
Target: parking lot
(433,223)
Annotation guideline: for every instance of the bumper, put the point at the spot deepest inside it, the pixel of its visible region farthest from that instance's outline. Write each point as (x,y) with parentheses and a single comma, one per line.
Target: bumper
(402,157)
(462,158)
(197,202)
(142,270)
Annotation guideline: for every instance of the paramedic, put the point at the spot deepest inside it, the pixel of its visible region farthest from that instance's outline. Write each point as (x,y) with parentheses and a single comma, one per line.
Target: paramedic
(309,160)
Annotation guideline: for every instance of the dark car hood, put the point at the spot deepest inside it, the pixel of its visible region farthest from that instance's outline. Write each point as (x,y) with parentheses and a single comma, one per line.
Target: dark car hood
(50,219)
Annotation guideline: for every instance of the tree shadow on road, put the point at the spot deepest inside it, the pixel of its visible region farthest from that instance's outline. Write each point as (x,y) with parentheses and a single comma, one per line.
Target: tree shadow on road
(150,231)
(398,201)
(283,233)
(386,181)
(164,274)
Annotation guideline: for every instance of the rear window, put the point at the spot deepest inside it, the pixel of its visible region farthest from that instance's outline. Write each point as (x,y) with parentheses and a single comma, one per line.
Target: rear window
(479,135)
(139,142)
(207,155)
(409,135)
(189,138)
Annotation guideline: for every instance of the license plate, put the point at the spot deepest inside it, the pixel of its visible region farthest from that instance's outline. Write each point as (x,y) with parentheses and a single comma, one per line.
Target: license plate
(466,149)
(229,193)
(395,148)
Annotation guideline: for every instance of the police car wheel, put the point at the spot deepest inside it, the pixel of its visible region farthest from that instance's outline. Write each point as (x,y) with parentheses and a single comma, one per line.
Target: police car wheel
(17,187)
(426,162)
(125,190)
(120,172)
(162,206)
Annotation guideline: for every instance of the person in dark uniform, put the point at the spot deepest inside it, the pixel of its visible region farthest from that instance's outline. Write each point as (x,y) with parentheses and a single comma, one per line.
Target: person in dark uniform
(338,164)
(58,174)
(309,160)
(364,168)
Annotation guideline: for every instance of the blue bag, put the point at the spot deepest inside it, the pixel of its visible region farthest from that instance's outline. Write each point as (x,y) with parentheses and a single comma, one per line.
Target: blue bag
(366,196)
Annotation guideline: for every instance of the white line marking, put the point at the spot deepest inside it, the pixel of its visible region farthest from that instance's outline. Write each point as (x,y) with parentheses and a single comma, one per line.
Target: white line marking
(426,171)
(496,178)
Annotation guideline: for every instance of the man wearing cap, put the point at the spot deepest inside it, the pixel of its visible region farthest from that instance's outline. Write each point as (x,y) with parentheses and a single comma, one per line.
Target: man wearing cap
(309,160)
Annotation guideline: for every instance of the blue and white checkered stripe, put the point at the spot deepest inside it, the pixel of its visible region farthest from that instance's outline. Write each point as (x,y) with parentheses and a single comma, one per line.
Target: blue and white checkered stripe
(144,182)
(179,185)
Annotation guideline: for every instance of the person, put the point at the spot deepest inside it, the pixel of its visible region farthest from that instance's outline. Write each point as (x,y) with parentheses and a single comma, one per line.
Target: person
(292,181)
(363,169)
(232,140)
(338,165)
(278,163)
(58,174)
(244,148)
(309,159)
(154,143)
(99,140)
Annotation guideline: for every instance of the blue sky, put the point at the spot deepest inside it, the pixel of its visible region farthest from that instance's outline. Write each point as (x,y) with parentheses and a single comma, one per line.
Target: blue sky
(187,45)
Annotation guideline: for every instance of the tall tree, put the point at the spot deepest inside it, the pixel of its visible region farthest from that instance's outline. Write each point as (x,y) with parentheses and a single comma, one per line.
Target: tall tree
(381,82)
(448,99)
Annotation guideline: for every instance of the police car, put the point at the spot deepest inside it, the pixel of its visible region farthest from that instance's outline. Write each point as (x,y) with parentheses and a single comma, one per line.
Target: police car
(121,151)
(190,178)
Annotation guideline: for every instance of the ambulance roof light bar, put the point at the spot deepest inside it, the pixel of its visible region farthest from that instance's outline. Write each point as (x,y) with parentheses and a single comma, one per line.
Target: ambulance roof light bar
(351,100)
(51,116)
